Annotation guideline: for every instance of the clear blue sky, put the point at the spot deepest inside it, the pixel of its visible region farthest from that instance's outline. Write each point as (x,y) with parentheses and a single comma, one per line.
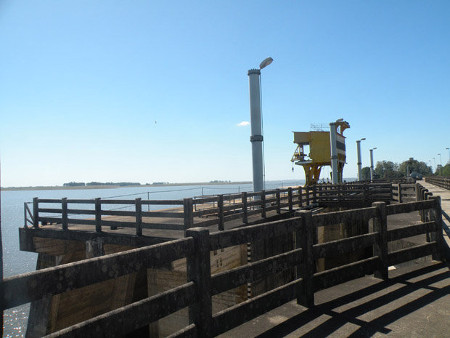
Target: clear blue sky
(153,90)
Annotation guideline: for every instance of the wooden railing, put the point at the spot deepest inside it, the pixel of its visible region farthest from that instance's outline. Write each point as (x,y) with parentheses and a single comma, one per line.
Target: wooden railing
(443,182)
(200,286)
(201,211)
(402,192)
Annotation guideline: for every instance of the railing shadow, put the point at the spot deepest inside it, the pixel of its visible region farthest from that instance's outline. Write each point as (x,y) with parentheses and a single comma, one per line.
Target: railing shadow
(379,324)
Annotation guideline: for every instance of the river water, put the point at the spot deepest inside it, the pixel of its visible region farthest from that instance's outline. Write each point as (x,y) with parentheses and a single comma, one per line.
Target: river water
(12,218)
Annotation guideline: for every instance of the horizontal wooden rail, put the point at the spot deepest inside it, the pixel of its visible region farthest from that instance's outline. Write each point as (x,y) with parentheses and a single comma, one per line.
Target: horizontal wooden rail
(31,286)
(143,312)
(253,271)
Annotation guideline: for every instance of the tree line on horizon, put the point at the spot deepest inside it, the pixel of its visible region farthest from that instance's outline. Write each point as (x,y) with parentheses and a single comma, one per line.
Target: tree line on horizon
(392,170)
(83,184)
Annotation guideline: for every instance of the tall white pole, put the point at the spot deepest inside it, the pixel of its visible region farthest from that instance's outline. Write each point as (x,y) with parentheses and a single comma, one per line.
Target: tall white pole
(371,164)
(358,147)
(256,137)
(334,157)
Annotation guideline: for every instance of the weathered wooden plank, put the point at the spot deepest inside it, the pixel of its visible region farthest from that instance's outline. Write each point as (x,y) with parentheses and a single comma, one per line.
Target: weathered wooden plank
(253,271)
(163,226)
(342,246)
(24,288)
(27,235)
(411,253)
(305,294)
(117,201)
(49,200)
(50,210)
(245,311)
(343,216)
(80,201)
(118,213)
(199,271)
(409,207)
(411,230)
(80,212)
(162,202)
(188,332)
(131,317)
(252,233)
(162,214)
(232,207)
(341,274)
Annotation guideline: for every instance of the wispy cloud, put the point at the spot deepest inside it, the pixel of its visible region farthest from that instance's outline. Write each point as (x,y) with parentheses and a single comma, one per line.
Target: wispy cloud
(243,124)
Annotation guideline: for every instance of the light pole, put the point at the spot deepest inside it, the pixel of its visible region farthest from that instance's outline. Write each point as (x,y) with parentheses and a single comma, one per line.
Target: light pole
(440,162)
(358,147)
(371,163)
(256,137)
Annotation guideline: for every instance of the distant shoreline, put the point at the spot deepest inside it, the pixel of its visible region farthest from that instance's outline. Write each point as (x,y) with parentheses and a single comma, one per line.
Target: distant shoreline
(119,186)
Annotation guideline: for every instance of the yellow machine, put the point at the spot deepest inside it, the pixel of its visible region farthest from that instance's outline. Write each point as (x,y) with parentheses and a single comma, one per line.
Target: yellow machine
(318,144)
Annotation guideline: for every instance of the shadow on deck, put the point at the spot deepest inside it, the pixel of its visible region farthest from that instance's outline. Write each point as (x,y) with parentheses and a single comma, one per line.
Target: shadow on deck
(414,302)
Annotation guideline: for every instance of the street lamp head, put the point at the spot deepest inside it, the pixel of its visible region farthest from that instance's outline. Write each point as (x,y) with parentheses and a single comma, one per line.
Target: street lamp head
(265,63)
(363,139)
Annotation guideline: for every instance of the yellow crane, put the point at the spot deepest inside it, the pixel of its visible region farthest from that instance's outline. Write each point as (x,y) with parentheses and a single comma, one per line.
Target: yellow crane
(313,151)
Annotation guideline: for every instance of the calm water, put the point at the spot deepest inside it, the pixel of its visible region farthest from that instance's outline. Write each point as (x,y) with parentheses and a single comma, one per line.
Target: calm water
(17,262)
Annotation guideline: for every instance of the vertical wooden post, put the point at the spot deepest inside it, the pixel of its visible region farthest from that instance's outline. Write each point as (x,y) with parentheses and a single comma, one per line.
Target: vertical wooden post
(365,188)
(437,236)
(380,247)
(339,192)
(263,203)
(305,295)
(188,214)
(314,193)
(417,188)
(400,199)
(36,213)
(64,215)
(291,207)
(278,201)
(138,204)
(221,212)
(98,215)
(244,208)
(300,197)
(307,195)
(199,271)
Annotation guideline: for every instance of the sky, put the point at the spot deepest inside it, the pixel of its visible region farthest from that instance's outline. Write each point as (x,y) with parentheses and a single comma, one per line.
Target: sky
(151,91)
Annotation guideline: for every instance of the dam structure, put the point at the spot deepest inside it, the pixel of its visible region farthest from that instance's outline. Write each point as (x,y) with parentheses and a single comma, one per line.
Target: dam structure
(220,265)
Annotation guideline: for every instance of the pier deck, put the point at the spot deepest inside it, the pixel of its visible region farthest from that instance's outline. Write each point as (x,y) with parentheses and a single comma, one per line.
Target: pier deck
(415,302)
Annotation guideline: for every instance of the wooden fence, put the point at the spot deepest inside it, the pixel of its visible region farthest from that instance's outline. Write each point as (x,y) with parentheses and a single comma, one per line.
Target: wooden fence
(198,212)
(402,192)
(200,286)
(443,182)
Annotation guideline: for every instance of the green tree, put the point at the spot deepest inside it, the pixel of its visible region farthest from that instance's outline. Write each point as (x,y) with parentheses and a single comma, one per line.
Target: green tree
(446,170)
(365,174)
(388,170)
(414,165)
